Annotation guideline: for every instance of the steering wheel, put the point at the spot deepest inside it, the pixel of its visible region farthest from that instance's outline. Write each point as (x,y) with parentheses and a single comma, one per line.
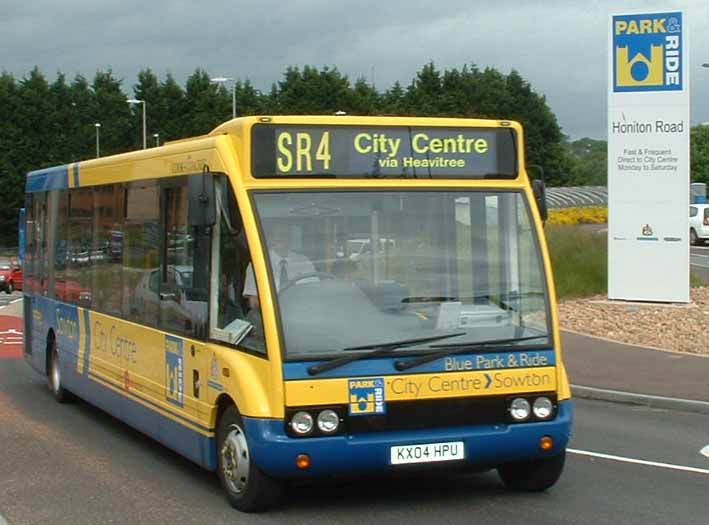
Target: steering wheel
(311,275)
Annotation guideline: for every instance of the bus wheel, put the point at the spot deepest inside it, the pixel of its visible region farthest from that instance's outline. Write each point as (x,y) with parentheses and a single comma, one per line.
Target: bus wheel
(533,476)
(55,376)
(247,488)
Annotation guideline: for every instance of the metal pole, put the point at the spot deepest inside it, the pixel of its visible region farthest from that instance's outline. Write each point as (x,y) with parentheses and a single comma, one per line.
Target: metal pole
(98,132)
(145,142)
(233,99)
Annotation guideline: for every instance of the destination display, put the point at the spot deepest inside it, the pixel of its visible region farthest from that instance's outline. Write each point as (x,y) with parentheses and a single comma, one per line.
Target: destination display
(383,152)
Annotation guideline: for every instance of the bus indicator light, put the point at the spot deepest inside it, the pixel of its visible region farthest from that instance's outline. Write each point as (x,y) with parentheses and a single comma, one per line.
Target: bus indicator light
(302,461)
(546,443)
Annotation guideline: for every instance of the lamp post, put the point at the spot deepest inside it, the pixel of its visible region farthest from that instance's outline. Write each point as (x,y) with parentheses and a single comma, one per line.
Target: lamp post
(224,80)
(98,133)
(132,101)
(156,136)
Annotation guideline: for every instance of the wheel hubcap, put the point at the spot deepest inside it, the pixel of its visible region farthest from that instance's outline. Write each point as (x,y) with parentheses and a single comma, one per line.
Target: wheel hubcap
(56,374)
(235,459)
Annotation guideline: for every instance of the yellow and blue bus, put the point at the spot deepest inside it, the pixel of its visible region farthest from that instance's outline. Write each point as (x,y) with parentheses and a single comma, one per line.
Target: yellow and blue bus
(294,297)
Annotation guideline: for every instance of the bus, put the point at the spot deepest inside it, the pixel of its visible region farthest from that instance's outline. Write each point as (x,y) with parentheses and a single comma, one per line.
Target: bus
(205,292)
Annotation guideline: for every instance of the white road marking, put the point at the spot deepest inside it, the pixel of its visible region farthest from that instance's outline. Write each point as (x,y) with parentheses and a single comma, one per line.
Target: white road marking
(638,461)
(705,451)
(2,307)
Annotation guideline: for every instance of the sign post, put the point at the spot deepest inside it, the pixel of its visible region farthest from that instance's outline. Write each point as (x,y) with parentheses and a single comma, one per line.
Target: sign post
(648,157)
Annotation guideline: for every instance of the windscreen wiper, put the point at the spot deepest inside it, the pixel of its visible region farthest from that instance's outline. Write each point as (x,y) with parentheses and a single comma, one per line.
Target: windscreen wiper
(374,350)
(460,348)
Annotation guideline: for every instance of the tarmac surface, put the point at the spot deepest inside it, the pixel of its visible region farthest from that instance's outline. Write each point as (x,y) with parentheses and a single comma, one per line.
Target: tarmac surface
(610,371)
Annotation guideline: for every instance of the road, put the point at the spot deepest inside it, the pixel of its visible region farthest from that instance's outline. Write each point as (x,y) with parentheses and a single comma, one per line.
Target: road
(699,259)
(74,464)
(6,299)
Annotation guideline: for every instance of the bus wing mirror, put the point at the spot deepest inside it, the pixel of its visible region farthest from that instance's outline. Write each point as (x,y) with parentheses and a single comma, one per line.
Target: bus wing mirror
(202,206)
(540,192)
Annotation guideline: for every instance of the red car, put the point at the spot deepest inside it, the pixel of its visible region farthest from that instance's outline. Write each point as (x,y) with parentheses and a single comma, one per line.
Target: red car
(10,276)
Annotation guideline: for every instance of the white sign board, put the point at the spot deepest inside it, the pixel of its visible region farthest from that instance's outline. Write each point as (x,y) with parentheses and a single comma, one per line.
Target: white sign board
(648,157)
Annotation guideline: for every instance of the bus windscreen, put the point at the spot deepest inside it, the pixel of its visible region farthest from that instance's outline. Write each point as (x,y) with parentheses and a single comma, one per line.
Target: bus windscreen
(342,151)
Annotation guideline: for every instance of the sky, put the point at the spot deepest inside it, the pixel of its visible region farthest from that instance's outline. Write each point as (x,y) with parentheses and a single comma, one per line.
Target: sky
(560,47)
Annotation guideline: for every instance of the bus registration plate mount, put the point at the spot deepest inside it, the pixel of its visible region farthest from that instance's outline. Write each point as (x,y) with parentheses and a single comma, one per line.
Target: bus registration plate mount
(427,453)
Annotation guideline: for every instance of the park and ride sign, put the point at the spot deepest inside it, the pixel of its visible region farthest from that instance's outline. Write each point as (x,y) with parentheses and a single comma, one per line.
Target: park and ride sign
(648,157)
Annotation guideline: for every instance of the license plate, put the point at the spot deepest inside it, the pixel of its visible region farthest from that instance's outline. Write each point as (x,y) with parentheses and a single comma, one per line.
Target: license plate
(427,453)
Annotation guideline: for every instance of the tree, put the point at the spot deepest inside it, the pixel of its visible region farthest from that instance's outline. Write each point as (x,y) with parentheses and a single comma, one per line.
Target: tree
(12,159)
(394,100)
(313,91)
(248,99)
(699,153)
(120,130)
(172,97)
(148,89)
(82,125)
(365,99)
(206,104)
(589,160)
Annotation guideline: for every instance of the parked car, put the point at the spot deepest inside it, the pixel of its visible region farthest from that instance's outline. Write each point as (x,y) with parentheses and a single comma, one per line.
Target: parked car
(698,223)
(355,249)
(10,276)
(176,299)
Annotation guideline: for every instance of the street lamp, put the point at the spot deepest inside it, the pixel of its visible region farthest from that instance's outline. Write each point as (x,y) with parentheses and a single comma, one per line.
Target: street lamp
(132,101)
(156,136)
(224,80)
(98,133)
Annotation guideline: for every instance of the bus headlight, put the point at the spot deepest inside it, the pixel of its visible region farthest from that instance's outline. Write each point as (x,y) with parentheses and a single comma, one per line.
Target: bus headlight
(328,421)
(542,407)
(519,409)
(302,423)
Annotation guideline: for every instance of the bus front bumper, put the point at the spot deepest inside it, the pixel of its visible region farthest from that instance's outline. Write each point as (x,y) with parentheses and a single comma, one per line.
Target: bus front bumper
(485,446)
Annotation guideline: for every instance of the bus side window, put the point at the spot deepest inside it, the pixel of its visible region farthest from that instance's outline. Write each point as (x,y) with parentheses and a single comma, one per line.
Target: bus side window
(235,322)
(139,250)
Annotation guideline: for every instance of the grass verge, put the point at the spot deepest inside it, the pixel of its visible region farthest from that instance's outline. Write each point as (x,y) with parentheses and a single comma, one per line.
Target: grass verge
(579,258)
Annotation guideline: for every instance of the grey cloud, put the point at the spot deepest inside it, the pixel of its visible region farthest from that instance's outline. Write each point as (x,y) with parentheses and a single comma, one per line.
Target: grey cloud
(559,46)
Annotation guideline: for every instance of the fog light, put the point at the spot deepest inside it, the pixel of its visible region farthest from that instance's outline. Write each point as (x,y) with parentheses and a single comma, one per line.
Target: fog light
(519,409)
(543,407)
(546,443)
(328,421)
(302,423)
(302,461)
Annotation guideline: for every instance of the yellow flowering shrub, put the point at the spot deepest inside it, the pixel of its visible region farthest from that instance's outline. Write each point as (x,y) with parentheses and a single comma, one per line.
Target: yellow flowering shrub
(589,215)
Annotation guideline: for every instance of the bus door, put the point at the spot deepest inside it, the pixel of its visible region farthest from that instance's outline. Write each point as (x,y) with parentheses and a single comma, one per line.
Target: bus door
(182,291)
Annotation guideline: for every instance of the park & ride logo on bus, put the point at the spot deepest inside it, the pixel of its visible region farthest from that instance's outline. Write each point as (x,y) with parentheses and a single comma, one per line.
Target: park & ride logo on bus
(647,52)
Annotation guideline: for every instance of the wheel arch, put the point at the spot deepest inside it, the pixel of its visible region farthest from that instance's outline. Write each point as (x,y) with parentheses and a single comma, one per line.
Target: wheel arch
(51,344)
(224,401)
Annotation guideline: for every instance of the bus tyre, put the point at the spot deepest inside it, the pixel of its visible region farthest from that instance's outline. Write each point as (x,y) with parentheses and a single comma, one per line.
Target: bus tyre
(247,488)
(533,476)
(55,377)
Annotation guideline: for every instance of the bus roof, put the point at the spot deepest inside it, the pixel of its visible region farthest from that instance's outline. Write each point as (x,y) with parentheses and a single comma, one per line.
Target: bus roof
(190,154)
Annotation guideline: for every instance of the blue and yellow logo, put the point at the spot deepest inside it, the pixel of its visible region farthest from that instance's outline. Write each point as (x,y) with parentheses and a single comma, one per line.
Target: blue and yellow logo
(647,52)
(174,371)
(367,396)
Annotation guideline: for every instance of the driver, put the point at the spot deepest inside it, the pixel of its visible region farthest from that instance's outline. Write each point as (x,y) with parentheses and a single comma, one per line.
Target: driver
(285,263)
